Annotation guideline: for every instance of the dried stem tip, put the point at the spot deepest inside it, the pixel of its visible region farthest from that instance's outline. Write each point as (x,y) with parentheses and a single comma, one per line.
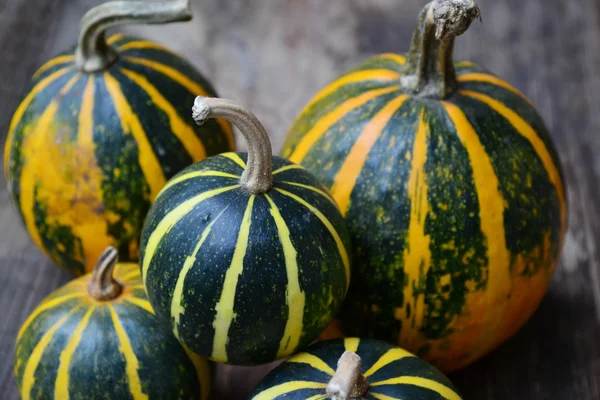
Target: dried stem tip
(348,382)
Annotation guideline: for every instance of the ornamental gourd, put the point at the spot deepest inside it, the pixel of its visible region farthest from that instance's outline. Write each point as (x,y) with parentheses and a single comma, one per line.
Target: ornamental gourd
(245,256)
(100,131)
(451,188)
(358,369)
(97,337)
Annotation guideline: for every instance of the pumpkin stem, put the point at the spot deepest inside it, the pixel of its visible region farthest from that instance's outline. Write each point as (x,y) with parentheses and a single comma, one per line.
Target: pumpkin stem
(102,286)
(348,382)
(94,53)
(258,175)
(429,70)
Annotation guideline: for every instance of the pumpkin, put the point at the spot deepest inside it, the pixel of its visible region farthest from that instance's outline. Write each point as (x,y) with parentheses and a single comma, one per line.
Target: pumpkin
(97,337)
(355,368)
(451,188)
(245,256)
(100,131)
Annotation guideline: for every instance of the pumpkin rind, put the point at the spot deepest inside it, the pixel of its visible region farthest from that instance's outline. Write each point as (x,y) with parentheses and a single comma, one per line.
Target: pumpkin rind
(392,373)
(456,208)
(87,153)
(212,251)
(73,346)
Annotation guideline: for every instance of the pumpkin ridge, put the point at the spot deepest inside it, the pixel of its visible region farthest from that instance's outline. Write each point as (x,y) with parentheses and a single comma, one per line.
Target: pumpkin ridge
(131,361)
(187,83)
(131,124)
(432,385)
(58,60)
(314,361)
(492,80)
(390,356)
(303,147)
(311,188)
(177,309)
(183,131)
(346,177)
(295,296)
(288,387)
(340,245)
(61,387)
(195,174)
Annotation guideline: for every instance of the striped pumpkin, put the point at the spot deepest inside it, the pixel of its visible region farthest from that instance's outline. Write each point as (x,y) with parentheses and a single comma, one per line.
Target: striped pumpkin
(245,277)
(76,346)
(455,201)
(87,153)
(390,372)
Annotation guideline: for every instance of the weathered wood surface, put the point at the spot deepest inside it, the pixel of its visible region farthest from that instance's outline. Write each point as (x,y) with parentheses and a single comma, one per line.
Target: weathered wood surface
(274,55)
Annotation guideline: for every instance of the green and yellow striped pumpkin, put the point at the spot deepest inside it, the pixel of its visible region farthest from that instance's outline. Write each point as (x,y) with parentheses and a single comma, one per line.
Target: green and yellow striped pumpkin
(87,152)
(247,265)
(81,344)
(390,373)
(452,191)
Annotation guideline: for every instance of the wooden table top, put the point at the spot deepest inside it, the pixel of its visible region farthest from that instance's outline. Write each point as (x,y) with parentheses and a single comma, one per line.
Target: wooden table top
(273,56)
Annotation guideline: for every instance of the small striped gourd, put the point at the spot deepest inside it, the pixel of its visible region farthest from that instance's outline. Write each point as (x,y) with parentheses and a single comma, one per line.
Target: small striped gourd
(451,188)
(100,131)
(97,338)
(245,256)
(355,368)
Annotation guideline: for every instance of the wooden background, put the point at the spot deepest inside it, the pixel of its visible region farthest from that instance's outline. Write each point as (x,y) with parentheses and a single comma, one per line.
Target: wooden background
(273,55)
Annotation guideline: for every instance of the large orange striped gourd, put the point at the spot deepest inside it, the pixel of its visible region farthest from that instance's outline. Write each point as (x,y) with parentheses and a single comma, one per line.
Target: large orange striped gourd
(451,188)
(100,131)
(97,338)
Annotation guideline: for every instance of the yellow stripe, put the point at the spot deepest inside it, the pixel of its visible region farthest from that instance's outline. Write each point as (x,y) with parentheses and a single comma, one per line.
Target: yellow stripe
(131,124)
(61,386)
(314,189)
(142,44)
(139,286)
(184,132)
(114,38)
(332,231)
(313,361)
(46,305)
(130,276)
(187,83)
(346,178)
(399,59)
(172,218)
(464,64)
(18,115)
(330,119)
(235,158)
(224,308)
(196,174)
(351,344)
(288,387)
(389,357)
(51,63)
(442,390)
(177,308)
(287,168)
(493,80)
(417,255)
(317,397)
(525,130)
(36,356)
(131,361)
(381,396)
(34,148)
(382,75)
(295,298)
(491,214)
(142,303)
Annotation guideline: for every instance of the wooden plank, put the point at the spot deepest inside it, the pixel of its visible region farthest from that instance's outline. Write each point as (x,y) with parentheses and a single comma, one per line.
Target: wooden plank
(275,55)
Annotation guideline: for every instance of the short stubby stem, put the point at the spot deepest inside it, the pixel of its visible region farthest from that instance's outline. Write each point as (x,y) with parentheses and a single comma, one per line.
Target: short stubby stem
(102,286)
(258,175)
(429,71)
(348,382)
(93,52)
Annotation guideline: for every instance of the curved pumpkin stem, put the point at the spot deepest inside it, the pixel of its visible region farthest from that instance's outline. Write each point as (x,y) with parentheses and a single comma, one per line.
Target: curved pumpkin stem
(102,286)
(93,52)
(348,382)
(258,175)
(429,70)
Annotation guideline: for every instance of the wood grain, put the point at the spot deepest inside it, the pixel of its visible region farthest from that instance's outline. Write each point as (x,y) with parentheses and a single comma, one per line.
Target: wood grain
(274,55)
